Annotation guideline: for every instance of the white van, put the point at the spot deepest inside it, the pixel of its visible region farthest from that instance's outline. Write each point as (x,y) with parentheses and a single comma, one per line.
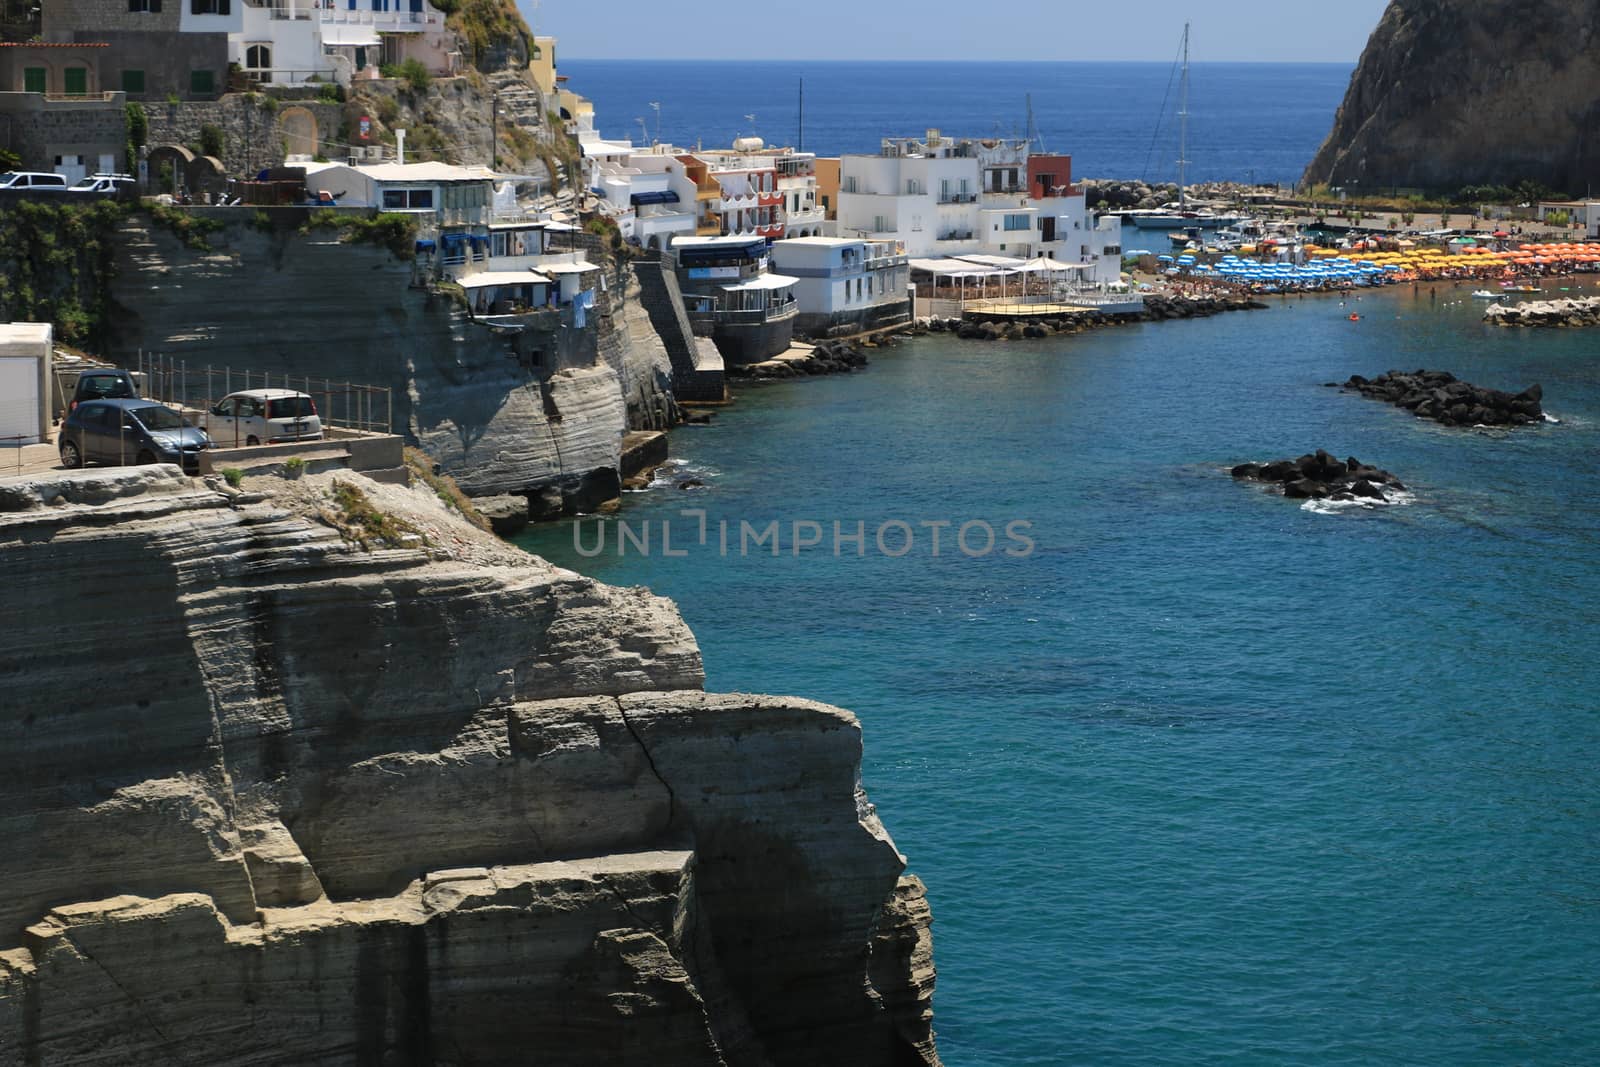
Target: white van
(115,184)
(262,417)
(32,179)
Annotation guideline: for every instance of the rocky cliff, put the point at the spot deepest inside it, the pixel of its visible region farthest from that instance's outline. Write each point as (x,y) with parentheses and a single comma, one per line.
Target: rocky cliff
(540,411)
(271,797)
(1452,93)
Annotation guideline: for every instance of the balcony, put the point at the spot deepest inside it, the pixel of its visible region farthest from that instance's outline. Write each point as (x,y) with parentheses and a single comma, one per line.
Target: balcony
(389,21)
(955,235)
(958,198)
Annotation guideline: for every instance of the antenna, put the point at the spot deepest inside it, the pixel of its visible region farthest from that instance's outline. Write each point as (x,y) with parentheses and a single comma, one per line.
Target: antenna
(1183,124)
(800,132)
(657,105)
(1033,131)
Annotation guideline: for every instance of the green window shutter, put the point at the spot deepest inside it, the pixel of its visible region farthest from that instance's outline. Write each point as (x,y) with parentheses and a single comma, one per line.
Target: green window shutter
(202,82)
(77,80)
(133,81)
(33,80)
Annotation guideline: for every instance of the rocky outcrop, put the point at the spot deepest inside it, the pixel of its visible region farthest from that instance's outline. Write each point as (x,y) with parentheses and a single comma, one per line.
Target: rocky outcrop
(1450,93)
(544,409)
(1321,476)
(277,798)
(1584,311)
(806,360)
(1437,395)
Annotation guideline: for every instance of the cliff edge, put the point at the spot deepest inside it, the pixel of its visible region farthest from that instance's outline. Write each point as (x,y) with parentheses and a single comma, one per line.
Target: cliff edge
(324,774)
(1451,93)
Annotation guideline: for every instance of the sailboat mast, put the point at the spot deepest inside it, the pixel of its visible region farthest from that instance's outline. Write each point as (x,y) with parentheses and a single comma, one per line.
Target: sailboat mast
(1183,124)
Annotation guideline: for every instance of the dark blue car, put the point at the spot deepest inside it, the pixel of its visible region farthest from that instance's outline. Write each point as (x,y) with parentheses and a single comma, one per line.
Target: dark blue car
(120,432)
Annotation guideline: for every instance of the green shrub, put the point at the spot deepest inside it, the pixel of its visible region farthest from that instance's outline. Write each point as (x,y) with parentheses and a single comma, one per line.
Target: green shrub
(212,140)
(413,72)
(269,104)
(359,520)
(294,466)
(331,93)
(233,476)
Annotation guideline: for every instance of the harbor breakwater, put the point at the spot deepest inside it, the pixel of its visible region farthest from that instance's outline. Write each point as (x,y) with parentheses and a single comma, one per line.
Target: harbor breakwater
(1157,308)
(1581,311)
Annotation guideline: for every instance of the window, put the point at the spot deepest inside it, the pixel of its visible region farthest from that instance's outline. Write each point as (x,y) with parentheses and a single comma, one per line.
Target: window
(202,82)
(133,81)
(401,199)
(76,80)
(1018,222)
(152,6)
(209,7)
(33,80)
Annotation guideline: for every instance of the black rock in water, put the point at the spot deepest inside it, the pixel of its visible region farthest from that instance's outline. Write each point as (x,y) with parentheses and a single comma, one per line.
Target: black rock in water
(1320,475)
(1439,395)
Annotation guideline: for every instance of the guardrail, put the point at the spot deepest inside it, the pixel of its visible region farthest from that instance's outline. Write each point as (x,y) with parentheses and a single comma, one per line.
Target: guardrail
(350,405)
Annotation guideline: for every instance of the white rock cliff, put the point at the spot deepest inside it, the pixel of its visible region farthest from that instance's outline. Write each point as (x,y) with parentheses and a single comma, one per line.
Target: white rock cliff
(268,797)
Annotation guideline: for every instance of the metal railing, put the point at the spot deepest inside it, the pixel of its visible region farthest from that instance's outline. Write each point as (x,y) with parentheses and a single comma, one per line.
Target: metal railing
(958,198)
(347,405)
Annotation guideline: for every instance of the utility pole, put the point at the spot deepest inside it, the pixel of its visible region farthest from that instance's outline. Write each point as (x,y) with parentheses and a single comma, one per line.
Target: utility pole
(494,131)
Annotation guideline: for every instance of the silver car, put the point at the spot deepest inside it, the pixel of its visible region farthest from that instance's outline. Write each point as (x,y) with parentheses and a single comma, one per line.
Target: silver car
(263,417)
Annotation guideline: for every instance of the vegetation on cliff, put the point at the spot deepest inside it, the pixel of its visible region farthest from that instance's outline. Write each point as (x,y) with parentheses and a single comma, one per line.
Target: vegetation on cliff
(387,229)
(56,265)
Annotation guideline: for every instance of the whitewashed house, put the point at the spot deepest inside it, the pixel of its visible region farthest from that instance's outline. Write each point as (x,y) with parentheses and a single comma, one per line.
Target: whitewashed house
(650,195)
(844,284)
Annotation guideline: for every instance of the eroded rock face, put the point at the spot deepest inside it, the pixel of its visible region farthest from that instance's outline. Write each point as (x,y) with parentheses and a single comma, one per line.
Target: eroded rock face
(269,798)
(1450,93)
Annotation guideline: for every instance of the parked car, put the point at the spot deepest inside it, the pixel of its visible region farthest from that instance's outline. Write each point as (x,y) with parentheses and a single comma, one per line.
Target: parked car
(112,184)
(263,416)
(123,431)
(32,179)
(108,383)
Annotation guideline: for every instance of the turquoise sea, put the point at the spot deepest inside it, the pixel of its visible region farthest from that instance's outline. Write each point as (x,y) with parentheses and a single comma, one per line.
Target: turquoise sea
(1207,778)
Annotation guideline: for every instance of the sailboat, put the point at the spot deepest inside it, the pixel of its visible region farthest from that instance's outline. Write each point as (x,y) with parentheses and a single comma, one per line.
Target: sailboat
(1179,215)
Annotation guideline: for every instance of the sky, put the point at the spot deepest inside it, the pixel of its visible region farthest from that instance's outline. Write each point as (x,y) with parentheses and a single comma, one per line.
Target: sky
(1277,31)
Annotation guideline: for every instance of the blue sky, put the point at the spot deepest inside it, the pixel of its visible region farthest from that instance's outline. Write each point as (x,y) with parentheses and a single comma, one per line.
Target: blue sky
(1224,30)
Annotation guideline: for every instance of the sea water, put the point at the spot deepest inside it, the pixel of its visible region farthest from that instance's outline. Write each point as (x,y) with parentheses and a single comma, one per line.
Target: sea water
(1248,121)
(1208,776)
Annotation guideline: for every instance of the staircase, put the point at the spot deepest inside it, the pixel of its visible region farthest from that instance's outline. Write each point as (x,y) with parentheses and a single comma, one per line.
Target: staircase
(697,371)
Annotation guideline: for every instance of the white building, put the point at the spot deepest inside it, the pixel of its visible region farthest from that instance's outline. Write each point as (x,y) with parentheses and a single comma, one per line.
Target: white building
(940,196)
(290,42)
(649,193)
(843,284)
(447,194)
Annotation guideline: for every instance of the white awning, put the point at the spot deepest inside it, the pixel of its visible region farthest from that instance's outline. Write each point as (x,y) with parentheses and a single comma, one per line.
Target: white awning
(1041,264)
(953,268)
(1003,262)
(502,277)
(603,149)
(763,281)
(341,34)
